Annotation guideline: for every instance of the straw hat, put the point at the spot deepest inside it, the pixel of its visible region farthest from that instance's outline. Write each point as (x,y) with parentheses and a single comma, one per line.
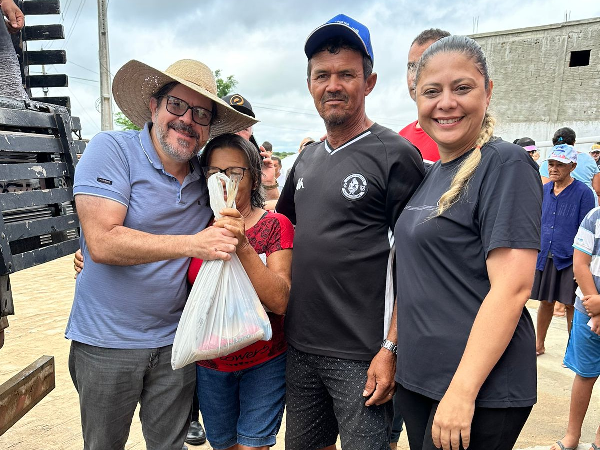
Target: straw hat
(136,82)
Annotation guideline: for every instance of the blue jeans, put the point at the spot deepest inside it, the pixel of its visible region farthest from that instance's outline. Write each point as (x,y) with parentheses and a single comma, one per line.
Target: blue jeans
(243,407)
(110,383)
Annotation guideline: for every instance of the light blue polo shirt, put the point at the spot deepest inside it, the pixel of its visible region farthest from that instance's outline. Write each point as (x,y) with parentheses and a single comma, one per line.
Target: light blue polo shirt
(137,306)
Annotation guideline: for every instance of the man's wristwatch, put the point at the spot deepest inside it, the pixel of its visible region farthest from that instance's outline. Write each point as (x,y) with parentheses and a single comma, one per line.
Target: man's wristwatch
(389,345)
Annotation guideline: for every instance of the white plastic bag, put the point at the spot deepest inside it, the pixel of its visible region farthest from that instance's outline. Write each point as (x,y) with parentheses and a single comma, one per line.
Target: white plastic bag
(223,313)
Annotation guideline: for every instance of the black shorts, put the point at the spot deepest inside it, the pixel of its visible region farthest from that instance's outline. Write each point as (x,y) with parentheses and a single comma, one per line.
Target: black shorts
(324,398)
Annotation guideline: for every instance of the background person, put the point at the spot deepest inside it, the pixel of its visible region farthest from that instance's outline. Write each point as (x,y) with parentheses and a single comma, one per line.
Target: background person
(413,131)
(566,202)
(529,145)
(242,395)
(268,147)
(595,153)
(475,365)
(277,164)
(586,171)
(583,350)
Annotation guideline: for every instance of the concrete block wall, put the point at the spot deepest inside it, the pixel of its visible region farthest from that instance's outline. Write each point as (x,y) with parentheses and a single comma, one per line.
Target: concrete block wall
(535,90)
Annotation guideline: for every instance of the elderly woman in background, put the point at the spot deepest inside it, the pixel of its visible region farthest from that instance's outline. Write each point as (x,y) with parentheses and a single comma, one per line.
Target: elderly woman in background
(529,146)
(586,171)
(566,202)
(466,248)
(242,395)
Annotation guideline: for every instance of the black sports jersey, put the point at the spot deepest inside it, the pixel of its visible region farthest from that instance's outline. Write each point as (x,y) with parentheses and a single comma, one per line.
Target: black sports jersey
(343,201)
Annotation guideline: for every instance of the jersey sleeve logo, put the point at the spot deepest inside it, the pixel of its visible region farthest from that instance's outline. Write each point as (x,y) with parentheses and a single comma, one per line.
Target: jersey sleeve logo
(354,186)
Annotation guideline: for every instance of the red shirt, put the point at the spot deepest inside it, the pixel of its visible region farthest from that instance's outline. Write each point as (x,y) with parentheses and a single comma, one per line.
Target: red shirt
(421,140)
(271,233)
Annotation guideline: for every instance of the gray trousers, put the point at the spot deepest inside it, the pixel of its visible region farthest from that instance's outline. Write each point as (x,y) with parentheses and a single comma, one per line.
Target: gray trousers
(111,382)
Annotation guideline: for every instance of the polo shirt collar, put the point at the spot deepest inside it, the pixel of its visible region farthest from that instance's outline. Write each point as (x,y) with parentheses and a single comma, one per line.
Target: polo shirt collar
(148,147)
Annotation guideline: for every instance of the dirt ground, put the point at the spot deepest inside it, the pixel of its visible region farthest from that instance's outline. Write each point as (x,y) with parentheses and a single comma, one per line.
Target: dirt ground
(43,297)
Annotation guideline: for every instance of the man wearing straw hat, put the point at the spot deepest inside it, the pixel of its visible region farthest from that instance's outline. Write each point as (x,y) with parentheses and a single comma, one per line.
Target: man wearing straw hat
(143,206)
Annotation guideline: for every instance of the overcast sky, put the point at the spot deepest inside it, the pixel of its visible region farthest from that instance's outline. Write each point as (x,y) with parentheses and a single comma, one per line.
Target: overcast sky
(261,43)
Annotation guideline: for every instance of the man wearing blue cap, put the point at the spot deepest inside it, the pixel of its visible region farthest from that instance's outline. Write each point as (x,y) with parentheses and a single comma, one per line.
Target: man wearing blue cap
(344,195)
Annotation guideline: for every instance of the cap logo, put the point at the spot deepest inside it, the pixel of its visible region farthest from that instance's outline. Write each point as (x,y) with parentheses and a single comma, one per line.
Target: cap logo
(348,25)
(236,100)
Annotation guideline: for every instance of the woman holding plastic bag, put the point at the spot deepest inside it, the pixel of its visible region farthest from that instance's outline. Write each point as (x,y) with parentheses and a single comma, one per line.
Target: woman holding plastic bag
(242,395)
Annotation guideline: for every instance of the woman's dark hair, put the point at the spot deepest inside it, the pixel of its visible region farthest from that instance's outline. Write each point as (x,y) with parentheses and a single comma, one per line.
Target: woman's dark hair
(564,135)
(257,196)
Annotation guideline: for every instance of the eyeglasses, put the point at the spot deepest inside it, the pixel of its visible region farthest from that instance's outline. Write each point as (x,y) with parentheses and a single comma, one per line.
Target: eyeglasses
(531,152)
(595,152)
(179,107)
(234,173)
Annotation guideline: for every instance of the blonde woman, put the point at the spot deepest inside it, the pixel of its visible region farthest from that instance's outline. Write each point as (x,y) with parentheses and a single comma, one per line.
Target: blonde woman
(466,250)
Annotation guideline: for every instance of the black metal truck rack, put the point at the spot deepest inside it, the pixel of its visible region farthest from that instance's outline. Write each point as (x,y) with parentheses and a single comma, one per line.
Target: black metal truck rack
(38,221)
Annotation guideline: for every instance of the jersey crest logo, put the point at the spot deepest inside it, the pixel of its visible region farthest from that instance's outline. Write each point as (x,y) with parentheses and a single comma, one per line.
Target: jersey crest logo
(354,186)
(300,184)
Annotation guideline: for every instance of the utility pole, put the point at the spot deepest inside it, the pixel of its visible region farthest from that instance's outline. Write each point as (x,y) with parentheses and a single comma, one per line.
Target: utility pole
(105,88)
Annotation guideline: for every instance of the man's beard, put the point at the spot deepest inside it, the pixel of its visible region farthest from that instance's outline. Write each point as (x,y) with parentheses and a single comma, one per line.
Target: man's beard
(335,118)
(175,153)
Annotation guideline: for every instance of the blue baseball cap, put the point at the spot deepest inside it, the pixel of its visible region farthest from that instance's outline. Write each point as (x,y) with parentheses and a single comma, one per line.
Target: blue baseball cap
(344,26)
(563,153)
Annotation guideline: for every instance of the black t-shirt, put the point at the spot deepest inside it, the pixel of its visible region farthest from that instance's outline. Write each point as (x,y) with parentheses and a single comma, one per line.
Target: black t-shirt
(442,275)
(343,202)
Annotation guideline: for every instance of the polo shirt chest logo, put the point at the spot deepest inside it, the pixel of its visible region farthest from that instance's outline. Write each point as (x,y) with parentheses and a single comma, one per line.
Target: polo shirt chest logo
(354,186)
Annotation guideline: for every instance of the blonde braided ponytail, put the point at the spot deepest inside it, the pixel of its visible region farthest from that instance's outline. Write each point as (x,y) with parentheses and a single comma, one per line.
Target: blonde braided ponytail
(467,167)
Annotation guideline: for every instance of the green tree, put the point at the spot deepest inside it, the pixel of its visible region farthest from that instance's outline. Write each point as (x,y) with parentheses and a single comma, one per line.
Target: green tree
(224,87)
(124,123)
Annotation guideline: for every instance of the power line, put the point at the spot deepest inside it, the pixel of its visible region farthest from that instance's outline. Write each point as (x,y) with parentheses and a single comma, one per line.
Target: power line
(83,67)
(75,20)
(64,13)
(84,79)
(287,111)
(83,109)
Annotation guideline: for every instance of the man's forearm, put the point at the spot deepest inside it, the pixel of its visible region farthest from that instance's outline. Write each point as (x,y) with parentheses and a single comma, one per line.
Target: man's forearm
(124,246)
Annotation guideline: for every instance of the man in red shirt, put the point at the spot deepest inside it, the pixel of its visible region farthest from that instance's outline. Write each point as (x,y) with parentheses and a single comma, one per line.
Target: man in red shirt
(413,132)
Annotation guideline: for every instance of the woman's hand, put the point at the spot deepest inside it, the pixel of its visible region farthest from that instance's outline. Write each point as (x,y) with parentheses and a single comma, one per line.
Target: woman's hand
(591,303)
(233,221)
(78,262)
(15,18)
(452,421)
